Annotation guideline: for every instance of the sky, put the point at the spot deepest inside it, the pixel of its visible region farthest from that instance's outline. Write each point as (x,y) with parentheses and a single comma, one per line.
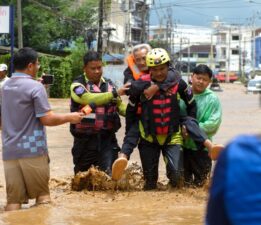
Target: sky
(202,12)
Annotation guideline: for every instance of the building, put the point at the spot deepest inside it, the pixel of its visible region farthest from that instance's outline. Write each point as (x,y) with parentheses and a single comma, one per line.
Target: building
(126,24)
(180,36)
(233,46)
(257,54)
(196,54)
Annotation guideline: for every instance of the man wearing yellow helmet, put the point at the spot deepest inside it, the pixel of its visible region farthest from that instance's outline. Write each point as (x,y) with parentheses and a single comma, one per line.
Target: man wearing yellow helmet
(159,125)
(159,121)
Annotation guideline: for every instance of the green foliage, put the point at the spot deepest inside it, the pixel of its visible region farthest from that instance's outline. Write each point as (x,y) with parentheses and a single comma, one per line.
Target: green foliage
(5,59)
(64,69)
(40,27)
(60,67)
(46,21)
(76,57)
(158,44)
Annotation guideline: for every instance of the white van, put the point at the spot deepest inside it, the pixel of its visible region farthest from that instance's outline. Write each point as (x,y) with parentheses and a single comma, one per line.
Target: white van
(254,85)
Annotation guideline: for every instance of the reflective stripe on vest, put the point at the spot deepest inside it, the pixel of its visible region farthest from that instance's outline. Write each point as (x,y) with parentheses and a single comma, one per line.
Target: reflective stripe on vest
(162,112)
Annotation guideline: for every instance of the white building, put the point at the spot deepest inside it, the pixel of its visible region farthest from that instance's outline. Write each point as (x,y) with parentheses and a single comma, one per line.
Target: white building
(127,21)
(181,36)
(233,46)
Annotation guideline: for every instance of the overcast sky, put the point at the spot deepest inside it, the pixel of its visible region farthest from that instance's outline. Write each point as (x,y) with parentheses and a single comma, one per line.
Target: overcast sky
(202,12)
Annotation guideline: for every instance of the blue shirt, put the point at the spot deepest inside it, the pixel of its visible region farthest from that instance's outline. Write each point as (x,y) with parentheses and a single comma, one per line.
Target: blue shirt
(24,101)
(235,194)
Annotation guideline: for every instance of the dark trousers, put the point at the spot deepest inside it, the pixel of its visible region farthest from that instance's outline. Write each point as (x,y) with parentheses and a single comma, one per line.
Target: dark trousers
(197,167)
(99,150)
(150,155)
(131,115)
(131,139)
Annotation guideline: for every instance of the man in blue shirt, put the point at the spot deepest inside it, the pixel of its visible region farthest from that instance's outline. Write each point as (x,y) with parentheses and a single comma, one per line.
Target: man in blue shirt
(25,112)
(235,194)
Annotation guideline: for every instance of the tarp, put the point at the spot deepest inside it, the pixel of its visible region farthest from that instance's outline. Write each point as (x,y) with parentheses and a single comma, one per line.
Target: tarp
(113,58)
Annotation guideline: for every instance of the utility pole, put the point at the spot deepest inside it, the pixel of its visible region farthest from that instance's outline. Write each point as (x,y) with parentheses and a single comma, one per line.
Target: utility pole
(244,58)
(254,48)
(100,30)
(180,55)
(228,55)
(19,24)
(144,11)
(240,53)
(127,26)
(167,34)
(211,53)
(170,29)
(188,57)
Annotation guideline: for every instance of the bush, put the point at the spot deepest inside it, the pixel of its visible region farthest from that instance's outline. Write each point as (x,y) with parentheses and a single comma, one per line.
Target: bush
(64,69)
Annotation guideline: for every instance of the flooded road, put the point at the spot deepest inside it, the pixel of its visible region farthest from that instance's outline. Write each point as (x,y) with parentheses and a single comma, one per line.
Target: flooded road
(241,114)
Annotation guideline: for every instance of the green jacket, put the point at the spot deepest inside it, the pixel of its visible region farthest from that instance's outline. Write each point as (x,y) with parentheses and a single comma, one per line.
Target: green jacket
(209,115)
(96,98)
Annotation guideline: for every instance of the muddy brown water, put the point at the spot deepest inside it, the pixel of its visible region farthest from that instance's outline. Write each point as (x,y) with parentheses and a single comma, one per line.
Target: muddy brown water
(241,114)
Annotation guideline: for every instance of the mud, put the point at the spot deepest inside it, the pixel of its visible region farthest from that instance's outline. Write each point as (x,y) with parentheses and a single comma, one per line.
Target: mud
(125,203)
(96,180)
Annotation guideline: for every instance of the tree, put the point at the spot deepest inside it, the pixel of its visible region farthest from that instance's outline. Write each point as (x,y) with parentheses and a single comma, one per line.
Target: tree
(46,21)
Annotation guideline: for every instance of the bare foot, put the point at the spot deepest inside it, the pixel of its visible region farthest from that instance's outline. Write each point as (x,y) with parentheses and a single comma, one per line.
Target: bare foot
(119,166)
(215,151)
(12,207)
(44,199)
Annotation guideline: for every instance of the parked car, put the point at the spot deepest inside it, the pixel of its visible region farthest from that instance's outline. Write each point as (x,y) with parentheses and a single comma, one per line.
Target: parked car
(254,86)
(215,86)
(221,77)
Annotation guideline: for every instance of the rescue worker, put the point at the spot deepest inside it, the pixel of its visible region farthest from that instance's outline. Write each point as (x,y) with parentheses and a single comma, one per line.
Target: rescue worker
(136,68)
(189,124)
(159,123)
(95,142)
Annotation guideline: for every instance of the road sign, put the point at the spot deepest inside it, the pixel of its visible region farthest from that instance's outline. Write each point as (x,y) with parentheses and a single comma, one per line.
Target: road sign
(4,19)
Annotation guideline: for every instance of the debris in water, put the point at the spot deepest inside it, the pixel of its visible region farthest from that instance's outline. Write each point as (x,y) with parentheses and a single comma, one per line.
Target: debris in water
(94,179)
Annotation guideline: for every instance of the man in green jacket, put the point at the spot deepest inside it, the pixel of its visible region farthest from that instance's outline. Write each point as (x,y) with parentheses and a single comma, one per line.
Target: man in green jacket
(197,161)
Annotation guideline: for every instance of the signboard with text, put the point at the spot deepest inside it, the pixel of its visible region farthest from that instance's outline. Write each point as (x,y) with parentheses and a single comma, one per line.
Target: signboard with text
(4,19)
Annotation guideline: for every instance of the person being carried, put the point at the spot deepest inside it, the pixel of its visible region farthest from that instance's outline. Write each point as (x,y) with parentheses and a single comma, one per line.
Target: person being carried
(147,89)
(25,113)
(95,141)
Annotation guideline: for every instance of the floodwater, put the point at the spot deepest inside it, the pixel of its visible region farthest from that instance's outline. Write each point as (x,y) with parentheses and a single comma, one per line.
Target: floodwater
(112,205)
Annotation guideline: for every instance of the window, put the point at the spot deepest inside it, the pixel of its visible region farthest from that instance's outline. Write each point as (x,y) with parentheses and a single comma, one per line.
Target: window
(162,36)
(155,36)
(235,52)
(203,55)
(235,37)
(185,55)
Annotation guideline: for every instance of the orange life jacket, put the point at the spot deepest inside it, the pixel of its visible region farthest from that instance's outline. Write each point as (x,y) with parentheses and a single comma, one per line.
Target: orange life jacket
(136,73)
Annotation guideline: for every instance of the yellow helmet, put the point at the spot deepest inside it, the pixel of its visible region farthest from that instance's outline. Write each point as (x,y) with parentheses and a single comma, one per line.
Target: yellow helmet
(156,57)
